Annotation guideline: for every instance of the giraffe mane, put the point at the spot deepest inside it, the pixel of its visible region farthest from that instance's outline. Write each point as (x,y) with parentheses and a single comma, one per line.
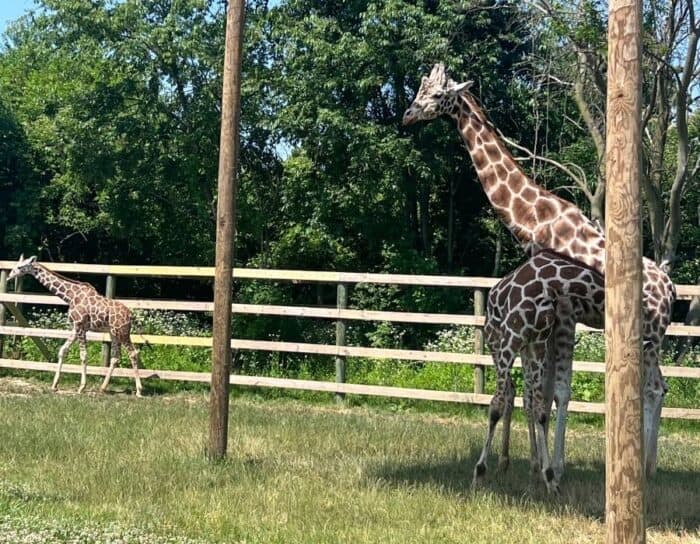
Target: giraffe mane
(62,277)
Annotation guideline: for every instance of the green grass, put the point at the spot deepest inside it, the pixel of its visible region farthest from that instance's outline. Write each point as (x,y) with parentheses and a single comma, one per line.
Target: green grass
(297,472)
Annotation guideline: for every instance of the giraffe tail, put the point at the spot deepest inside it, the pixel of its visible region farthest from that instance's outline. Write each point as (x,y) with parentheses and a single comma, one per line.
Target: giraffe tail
(135,316)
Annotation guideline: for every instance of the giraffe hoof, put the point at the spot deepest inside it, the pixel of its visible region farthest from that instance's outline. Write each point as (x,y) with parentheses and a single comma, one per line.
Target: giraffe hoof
(81,389)
(558,473)
(54,388)
(551,482)
(553,489)
(503,464)
(479,472)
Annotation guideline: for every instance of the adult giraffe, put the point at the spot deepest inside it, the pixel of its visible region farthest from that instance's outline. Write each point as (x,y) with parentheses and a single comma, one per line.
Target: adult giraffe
(541,220)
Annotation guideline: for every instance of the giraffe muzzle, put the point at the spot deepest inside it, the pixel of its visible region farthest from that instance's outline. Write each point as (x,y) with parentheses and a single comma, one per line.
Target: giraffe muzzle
(409,117)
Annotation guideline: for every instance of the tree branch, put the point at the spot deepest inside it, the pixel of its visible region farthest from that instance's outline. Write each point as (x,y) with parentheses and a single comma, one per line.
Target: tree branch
(580,179)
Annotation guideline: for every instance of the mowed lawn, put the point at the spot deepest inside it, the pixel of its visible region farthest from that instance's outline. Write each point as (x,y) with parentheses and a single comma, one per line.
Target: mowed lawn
(103,468)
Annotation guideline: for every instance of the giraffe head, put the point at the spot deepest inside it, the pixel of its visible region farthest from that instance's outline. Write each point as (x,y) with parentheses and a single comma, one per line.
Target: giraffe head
(23,266)
(437,96)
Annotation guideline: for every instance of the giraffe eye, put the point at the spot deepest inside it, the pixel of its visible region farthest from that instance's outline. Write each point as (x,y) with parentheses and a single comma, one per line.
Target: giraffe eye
(437,95)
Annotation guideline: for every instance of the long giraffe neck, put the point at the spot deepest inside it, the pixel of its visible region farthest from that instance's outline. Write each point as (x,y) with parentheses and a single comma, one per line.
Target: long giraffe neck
(63,288)
(509,190)
(535,216)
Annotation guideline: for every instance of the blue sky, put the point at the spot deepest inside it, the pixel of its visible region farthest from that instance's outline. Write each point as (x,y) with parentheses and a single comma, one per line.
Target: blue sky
(11,9)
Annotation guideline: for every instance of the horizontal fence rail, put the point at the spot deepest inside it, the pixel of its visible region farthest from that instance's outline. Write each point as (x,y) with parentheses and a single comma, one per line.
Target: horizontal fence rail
(674,329)
(326,349)
(207,272)
(11,300)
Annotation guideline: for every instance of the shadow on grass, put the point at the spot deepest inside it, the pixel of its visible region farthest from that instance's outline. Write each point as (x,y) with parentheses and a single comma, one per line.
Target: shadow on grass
(672,496)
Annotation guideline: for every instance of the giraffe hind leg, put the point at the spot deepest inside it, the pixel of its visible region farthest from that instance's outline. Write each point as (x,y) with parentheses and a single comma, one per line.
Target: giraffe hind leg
(534,366)
(114,360)
(504,459)
(494,415)
(134,358)
(496,410)
(83,361)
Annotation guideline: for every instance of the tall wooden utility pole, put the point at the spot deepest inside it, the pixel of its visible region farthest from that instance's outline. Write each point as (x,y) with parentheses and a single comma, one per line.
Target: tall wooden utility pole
(624,373)
(225,230)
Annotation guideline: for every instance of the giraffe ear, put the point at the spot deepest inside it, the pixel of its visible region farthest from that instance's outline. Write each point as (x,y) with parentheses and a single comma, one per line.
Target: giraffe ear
(460,87)
(32,258)
(21,257)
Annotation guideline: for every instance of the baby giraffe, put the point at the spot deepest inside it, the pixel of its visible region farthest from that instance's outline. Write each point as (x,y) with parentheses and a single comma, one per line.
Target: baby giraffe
(87,311)
(520,313)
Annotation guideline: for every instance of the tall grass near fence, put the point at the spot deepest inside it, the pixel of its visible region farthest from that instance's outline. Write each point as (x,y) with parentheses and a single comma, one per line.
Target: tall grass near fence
(683,392)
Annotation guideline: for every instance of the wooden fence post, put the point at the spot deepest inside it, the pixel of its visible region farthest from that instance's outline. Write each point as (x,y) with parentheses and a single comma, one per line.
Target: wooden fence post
(3,289)
(225,230)
(19,289)
(342,303)
(19,311)
(479,379)
(625,503)
(109,293)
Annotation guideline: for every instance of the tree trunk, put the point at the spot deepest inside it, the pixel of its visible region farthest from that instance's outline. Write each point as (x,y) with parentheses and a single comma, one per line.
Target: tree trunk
(598,202)
(424,211)
(499,251)
(450,225)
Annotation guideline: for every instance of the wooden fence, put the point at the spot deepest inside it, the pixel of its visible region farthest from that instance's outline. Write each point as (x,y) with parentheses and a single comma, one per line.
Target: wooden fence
(341,314)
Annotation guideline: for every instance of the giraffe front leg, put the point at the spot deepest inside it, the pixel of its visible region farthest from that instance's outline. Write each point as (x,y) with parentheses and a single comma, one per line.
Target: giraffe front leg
(83,361)
(134,358)
(114,360)
(61,356)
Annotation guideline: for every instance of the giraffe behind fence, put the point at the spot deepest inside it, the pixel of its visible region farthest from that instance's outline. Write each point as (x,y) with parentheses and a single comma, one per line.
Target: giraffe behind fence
(87,311)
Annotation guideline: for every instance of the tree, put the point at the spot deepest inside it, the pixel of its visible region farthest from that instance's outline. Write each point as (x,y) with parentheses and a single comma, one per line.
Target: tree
(345,72)
(574,62)
(20,183)
(120,102)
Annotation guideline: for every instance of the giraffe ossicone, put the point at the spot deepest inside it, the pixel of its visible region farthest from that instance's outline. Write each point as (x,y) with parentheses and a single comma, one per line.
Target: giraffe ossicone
(87,311)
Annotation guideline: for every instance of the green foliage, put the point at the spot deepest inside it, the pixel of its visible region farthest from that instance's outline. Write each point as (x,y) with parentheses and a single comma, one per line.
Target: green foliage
(586,386)
(119,102)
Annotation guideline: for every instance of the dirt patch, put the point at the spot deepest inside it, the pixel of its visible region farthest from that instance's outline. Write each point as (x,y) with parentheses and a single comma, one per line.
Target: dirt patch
(19,387)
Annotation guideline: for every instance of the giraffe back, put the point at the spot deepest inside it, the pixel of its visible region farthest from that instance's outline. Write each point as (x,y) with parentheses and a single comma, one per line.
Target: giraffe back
(522,304)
